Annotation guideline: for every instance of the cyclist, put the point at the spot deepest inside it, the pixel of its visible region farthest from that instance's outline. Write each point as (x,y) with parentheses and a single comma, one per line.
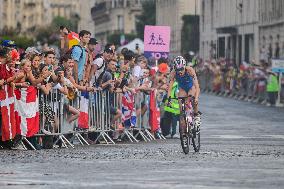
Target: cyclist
(188,85)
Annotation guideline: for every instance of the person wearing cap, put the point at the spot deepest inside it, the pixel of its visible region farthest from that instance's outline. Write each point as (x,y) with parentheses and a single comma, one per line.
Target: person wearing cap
(99,66)
(79,54)
(8,43)
(162,79)
(91,49)
(30,51)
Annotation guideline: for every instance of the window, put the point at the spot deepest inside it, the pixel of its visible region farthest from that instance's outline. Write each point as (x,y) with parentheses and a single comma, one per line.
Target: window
(120,23)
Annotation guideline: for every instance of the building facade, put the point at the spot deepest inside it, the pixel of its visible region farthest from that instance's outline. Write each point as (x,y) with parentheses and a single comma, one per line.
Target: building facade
(63,8)
(115,16)
(86,21)
(25,16)
(170,13)
(229,29)
(271,29)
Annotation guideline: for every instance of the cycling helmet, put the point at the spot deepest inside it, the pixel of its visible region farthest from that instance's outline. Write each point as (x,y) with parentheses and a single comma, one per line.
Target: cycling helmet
(179,62)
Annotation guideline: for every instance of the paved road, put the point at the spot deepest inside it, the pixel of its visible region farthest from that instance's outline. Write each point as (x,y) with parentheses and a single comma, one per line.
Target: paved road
(242,147)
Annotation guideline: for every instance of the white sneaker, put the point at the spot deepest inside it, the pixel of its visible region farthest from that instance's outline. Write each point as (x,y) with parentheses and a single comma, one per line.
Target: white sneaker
(175,136)
(197,121)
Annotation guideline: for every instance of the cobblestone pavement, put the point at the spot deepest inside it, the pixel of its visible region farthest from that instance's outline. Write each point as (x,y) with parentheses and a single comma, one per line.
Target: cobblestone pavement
(242,147)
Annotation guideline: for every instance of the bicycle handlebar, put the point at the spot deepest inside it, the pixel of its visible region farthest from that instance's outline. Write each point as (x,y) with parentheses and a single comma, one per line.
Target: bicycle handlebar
(182,98)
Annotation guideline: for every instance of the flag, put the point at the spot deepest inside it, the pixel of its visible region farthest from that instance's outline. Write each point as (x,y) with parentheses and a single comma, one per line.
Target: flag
(7,103)
(27,111)
(83,121)
(128,109)
(154,118)
(73,39)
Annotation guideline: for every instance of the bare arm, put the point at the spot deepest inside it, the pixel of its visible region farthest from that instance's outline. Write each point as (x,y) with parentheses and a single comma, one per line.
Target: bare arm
(80,87)
(76,70)
(195,82)
(45,88)
(33,80)
(172,80)
(63,90)
(94,68)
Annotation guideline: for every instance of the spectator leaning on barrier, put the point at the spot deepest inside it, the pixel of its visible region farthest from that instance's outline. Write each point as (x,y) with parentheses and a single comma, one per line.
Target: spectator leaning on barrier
(49,59)
(140,64)
(91,56)
(99,66)
(108,82)
(79,54)
(272,88)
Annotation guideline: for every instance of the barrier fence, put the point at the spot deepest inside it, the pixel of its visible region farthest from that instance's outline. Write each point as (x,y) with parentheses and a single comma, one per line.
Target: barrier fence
(92,112)
(249,88)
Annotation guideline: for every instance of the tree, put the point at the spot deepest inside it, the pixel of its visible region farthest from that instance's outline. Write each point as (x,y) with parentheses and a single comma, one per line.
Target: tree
(49,34)
(148,17)
(21,41)
(70,24)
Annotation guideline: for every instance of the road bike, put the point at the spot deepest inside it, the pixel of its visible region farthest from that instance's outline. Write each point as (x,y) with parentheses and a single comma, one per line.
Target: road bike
(192,132)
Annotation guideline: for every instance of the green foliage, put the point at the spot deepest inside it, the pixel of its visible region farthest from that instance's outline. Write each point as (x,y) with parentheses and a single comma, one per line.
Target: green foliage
(61,21)
(21,41)
(49,34)
(148,17)
(115,38)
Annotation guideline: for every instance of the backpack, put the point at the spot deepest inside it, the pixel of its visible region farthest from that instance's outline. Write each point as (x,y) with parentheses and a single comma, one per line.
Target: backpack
(71,50)
(98,81)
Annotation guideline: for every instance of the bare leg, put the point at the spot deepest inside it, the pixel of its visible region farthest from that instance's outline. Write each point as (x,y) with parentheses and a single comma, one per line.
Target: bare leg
(192,92)
(181,93)
(116,116)
(75,114)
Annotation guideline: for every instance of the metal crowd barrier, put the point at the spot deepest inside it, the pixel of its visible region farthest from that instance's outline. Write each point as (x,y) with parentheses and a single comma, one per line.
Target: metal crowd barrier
(100,118)
(99,115)
(56,101)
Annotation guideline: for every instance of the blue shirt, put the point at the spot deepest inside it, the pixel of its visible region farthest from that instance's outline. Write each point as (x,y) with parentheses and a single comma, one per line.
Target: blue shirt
(80,59)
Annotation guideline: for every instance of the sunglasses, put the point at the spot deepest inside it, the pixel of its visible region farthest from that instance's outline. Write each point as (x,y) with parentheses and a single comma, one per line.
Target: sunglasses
(179,69)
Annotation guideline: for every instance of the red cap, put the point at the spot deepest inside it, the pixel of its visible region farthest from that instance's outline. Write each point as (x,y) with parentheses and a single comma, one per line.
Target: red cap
(163,68)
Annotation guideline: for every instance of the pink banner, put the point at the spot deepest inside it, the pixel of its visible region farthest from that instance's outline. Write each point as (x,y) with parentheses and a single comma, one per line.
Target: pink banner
(157,38)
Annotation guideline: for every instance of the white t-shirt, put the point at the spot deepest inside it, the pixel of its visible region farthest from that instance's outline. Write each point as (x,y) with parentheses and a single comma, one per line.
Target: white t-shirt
(137,71)
(100,64)
(57,86)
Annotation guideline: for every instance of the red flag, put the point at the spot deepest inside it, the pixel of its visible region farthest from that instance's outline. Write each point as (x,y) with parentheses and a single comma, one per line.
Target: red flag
(154,119)
(27,111)
(8,114)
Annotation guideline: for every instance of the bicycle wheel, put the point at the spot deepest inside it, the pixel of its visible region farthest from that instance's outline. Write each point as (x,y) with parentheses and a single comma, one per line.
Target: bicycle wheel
(185,142)
(196,140)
